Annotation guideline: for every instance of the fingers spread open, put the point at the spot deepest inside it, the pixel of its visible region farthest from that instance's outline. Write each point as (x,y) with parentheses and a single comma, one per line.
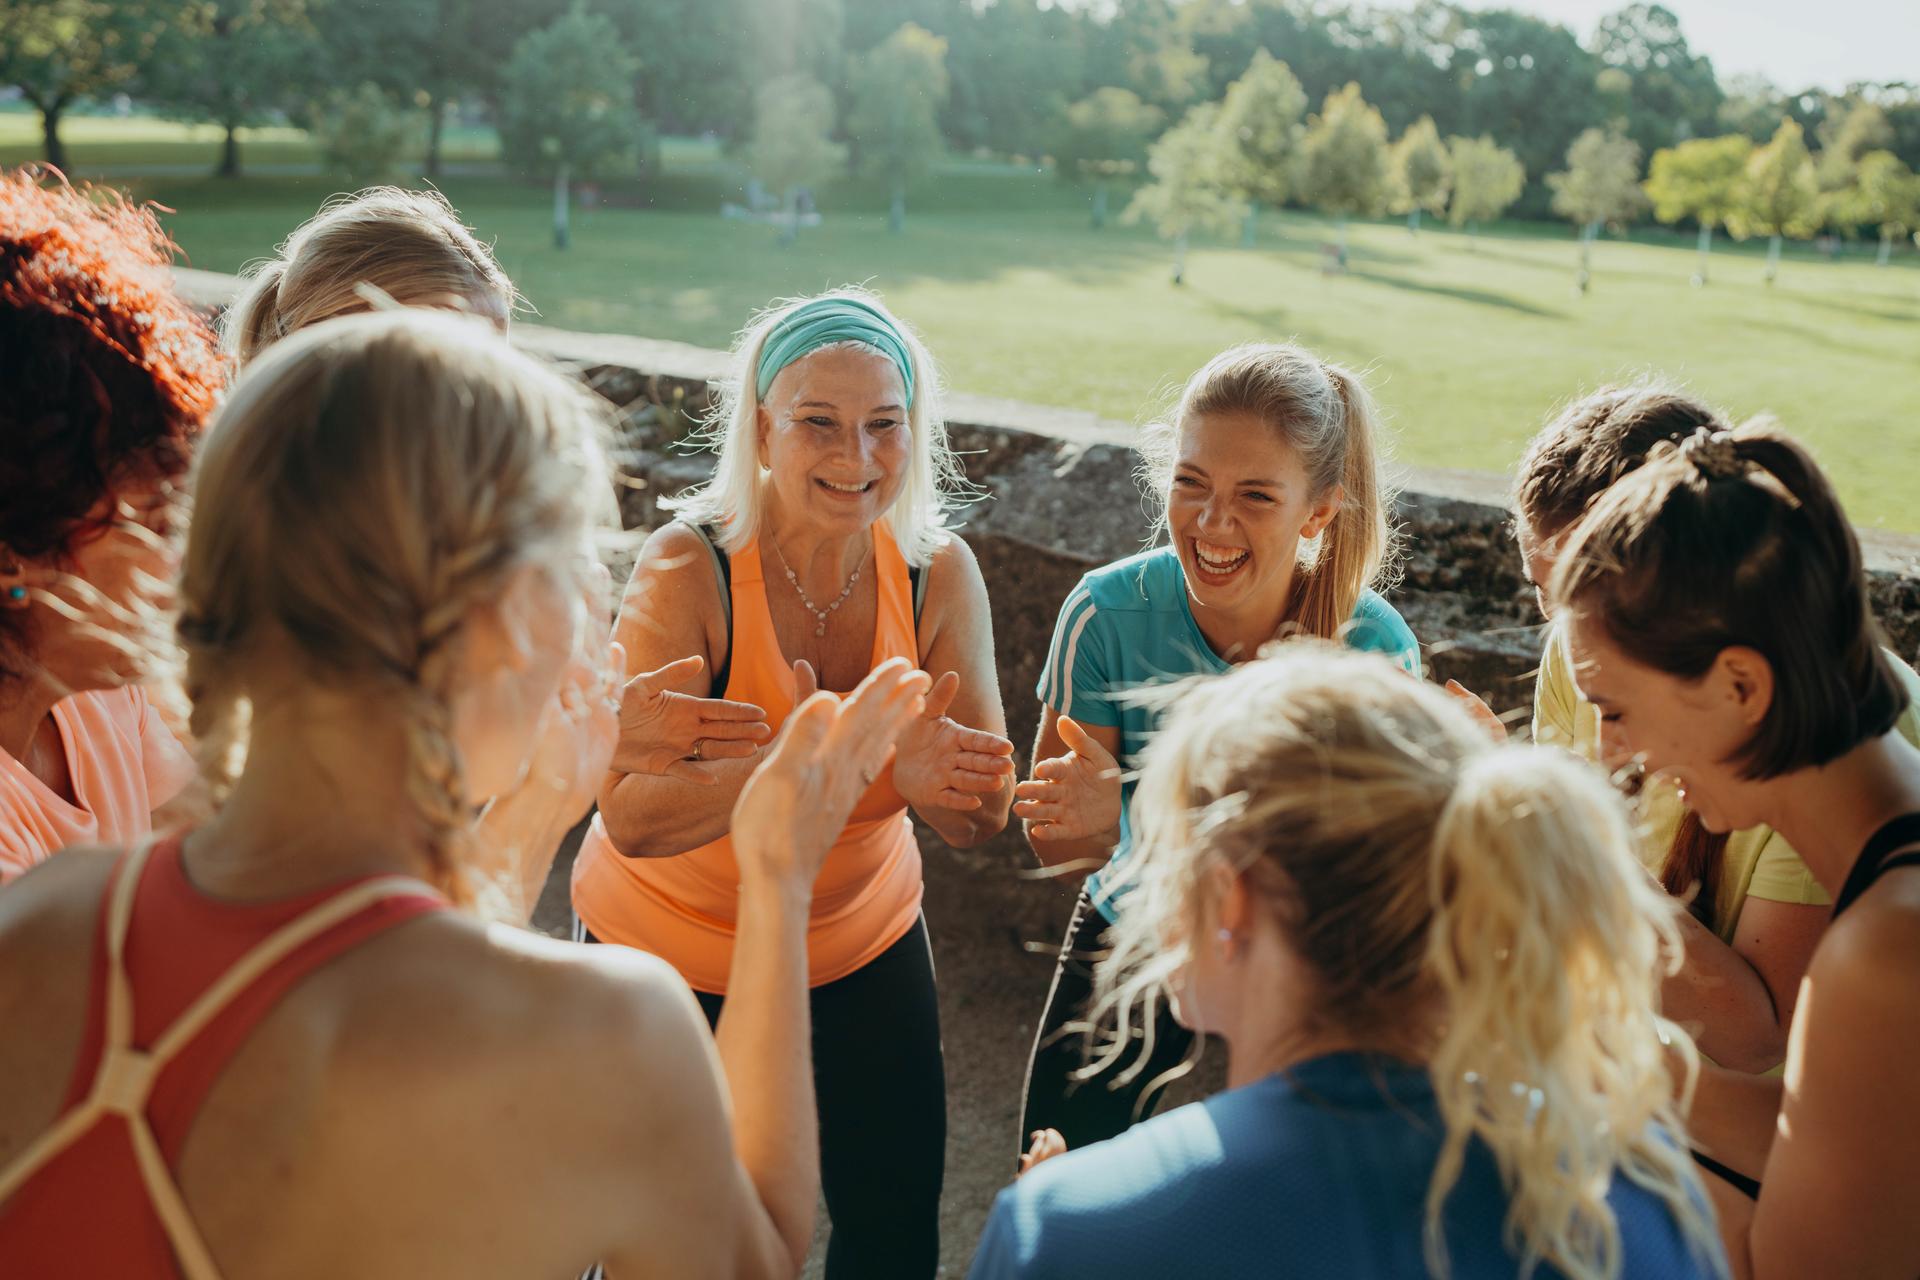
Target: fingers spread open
(1035,789)
(977,762)
(986,743)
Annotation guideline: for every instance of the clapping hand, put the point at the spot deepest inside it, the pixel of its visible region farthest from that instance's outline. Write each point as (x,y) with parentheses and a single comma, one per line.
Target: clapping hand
(677,735)
(1074,796)
(942,764)
(796,803)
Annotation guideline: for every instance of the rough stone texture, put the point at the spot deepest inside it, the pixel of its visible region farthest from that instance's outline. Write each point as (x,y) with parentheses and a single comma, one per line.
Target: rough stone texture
(1060,500)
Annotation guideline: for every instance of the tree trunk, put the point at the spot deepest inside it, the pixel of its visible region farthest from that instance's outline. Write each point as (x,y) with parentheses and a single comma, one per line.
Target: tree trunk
(791,227)
(436,124)
(897,210)
(1413,221)
(1886,247)
(1706,247)
(1180,258)
(1473,233)
(562,198)
(1099,203)
(1250,224)
(50,134)
(1342,259)
(1773,256)
(1585,276)
(229,154)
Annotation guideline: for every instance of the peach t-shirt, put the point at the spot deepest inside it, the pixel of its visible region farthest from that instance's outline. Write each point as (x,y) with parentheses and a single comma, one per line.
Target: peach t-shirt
(124,763)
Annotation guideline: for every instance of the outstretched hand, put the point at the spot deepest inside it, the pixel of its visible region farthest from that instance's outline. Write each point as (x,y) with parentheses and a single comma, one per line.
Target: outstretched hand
(795,805)
(943,764)
(1477,707)
(1073,796)
(1047,1143)
(677,735)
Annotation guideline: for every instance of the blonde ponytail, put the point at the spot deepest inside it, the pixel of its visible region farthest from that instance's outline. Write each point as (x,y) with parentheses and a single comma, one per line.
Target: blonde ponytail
(1547,945)
(1325,414)
(1478,908)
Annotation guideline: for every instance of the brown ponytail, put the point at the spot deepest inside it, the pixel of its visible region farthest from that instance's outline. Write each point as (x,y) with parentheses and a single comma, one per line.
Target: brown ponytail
(1694,863)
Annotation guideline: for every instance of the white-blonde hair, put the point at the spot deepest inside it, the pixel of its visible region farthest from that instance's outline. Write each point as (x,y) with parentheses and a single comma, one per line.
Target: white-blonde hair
(733,498)
(336,541)
(1425,877)
(409,245)
(1324,413)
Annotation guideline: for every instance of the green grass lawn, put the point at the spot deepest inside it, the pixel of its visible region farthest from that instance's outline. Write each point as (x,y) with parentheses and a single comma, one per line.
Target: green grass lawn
(1469,346)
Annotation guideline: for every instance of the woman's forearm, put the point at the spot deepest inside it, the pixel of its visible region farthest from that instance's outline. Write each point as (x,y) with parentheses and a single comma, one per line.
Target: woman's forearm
(1722,999)
(647,816)
(1733,1117)
(965,828)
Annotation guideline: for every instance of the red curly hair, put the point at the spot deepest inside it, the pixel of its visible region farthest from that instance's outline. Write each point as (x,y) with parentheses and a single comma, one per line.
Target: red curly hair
(110,376)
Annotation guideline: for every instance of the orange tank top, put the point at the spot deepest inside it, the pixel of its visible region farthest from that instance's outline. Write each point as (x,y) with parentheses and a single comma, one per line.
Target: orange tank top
(684,908)
(179,981)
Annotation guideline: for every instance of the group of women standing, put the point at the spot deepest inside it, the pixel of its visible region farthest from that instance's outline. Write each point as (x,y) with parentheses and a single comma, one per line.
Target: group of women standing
(1459,982)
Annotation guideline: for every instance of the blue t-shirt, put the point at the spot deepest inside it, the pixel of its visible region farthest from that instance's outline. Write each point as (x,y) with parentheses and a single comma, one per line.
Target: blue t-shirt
(1129,624)
(1316,1173)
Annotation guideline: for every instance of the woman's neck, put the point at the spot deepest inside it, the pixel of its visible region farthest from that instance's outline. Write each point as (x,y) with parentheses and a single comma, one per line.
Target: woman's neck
(324,797)
(1236,635)
(1828,812)
(25,705)
(822,561)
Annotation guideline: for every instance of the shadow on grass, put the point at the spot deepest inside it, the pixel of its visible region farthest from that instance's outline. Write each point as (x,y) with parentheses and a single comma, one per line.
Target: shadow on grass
(1479,297)
(1896,313)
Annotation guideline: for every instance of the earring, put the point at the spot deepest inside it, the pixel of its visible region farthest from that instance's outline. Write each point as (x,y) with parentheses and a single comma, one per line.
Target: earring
(1224,936)
(13,586)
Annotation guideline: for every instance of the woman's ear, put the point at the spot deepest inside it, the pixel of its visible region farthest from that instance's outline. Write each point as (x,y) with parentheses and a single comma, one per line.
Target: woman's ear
(763,422)
(1321,514)
(1745,679)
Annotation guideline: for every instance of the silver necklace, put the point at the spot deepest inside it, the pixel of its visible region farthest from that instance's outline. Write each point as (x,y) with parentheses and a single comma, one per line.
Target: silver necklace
(820,615)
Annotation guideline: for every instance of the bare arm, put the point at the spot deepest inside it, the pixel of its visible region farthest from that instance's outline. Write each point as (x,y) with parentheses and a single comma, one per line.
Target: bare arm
(1733,1117)
(965,787)
(1070,808)
(1842,1180)
(671,610)
(1738,1000)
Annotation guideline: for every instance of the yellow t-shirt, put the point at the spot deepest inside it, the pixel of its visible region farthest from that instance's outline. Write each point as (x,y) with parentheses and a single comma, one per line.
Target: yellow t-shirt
(1759,864)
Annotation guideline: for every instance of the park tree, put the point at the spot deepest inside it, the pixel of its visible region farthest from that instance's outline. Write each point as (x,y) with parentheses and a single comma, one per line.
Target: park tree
(1015,65)
(1599,186)
(1699,179)
(1527,83)
(1779,195)
(567,107)
(1186,195)
(232,63)
(1487,179)
(899,87)
(58,51)
(1422,172)
(1670,93)
(1105,136)
(1260,126)
(1885,194)
(1343,160)
(363,132)
(1845,138)
(792,147)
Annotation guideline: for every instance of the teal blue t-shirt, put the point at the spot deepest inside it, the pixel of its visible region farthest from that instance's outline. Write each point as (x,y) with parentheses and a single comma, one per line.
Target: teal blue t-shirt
(1128,625)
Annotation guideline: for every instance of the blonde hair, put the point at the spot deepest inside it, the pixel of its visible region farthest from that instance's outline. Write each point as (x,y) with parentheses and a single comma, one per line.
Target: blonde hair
(1426,877)
(1324,414)
(329,529)
(409,245)
(732,499)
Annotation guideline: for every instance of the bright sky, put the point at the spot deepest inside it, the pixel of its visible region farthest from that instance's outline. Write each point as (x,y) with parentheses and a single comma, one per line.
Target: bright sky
(1794,43)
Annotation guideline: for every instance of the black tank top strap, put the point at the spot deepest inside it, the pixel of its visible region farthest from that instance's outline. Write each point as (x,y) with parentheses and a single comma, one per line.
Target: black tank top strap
(1882,854)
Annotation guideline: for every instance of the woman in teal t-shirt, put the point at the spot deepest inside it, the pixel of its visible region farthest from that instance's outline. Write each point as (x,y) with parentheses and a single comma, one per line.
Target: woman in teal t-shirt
(1276,517)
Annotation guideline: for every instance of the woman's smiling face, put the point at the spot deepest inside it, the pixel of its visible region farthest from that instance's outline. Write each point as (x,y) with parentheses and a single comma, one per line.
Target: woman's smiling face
(1238,508)
(835,435)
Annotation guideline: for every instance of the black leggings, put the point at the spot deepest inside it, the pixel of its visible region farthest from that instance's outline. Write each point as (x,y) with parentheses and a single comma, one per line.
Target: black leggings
(881,1086)
(1090,1110)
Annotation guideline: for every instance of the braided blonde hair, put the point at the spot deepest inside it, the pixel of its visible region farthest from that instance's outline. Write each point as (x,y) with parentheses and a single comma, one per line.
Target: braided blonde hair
(370,481)
(1426,877)
(409,245)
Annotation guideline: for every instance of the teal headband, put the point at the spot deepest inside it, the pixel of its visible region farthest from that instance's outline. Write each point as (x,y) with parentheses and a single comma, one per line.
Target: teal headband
(823,322)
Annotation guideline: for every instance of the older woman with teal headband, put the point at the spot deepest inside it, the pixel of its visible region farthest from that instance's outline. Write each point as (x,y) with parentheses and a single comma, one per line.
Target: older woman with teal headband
(816,552)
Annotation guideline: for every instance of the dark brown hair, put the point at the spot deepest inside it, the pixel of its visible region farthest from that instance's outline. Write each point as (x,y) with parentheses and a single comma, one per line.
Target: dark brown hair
(1736,538)
(1593,442)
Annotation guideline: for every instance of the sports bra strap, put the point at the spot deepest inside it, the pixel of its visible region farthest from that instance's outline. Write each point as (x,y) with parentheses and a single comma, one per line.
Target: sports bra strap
(125,1077)
(1887,849)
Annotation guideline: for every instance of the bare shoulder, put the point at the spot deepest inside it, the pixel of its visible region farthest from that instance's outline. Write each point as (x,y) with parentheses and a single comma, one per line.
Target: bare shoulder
(672,604)
(956,590)
(58,894)
(676,553)
(1869,950)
